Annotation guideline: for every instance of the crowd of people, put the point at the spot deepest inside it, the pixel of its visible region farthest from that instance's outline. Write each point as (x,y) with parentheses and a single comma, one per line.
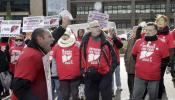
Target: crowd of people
(88,60)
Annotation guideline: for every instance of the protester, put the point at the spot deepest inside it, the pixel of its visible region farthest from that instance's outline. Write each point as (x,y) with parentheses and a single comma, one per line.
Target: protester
(29,81)
(129,61)
(80,34)
(15,52)
(117,44)
(98,62)
(66,54)
(64,22)
(164,34)
(4,68)
(173,60)
(150,53)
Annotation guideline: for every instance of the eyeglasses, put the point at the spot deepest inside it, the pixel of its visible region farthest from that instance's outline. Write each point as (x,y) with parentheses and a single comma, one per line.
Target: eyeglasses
(19,40)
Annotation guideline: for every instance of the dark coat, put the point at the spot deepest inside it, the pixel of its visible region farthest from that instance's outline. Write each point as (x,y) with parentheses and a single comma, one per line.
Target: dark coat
(128,58)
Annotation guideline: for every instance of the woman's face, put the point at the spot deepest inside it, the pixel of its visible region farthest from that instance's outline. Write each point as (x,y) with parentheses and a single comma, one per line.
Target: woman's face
(161,23)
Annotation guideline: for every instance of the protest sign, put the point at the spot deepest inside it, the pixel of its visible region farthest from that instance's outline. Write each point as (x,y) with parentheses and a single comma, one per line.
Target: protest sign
(10,28)
(31,23)
(46,63)
(51,21)
(66,13)
(101,17)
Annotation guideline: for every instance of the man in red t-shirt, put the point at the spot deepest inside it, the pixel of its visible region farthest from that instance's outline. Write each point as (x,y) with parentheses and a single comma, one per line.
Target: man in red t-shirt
(150,53)
(29,81)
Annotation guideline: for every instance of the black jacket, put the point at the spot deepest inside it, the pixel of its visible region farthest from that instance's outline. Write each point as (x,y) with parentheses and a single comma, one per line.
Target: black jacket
(4,66)
(104,42)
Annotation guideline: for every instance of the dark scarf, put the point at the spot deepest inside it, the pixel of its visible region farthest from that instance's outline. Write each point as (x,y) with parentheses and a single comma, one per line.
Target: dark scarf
(151,38)
(34,45)
(163,31)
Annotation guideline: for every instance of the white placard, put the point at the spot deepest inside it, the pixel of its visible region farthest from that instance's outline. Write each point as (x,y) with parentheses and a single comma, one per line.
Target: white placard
(101,17)
(66,13)
(51,21)
(47,71)
(10,28)
(31,23)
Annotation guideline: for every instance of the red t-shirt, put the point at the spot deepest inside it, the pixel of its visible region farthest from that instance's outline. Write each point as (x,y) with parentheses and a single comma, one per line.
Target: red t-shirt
(30,67)
(68,61)
(95,57)
(168,39)
(173,35)
(15,52)
(149,55)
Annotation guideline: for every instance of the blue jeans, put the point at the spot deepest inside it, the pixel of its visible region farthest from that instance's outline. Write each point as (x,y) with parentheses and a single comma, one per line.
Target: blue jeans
(56,89)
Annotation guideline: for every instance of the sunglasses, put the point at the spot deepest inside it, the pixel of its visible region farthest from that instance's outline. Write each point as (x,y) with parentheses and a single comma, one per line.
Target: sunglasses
(18,39)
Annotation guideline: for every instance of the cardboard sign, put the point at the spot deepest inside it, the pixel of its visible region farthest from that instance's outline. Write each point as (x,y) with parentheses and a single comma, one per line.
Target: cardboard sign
(31,23)
(10,28)
(75,27)
(51,21)
(66,13)
(46,63)
(101,17)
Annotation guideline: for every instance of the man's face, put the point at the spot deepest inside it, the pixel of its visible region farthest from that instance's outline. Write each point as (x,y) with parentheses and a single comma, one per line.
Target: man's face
(95,31)
(150,30)
(46,41)
(161,23)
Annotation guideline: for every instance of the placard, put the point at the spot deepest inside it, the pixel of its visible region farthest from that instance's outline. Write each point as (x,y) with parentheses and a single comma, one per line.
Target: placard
(31,23)
(51,21)
(101,17)
(46,63)
(10,28)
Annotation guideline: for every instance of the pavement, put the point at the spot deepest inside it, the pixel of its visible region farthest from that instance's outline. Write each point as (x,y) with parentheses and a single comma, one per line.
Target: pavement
(124,95)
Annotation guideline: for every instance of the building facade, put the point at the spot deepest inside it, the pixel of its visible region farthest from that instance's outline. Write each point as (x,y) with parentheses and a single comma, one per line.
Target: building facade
(22,8)
(125,13)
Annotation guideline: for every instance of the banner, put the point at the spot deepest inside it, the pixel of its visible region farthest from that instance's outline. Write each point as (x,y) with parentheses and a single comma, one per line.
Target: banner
(1,19)
(51,21)
(101,17)
(10,28)
(47,71)
(31,23)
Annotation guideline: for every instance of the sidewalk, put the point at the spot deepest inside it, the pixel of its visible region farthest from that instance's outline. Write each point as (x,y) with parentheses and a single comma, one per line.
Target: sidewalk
(125,93)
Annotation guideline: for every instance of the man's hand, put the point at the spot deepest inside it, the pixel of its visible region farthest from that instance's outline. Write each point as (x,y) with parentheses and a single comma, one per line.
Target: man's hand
(65,22)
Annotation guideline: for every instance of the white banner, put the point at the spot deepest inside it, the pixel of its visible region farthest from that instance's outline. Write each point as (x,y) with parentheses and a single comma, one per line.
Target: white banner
(31,23)
(47,71)
(101,17)
(1,18)
(10,28)
(51,21)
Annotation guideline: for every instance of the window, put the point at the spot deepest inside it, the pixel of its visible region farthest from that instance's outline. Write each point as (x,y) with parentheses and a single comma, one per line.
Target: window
(84,10)
(155,8)
(117,9)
